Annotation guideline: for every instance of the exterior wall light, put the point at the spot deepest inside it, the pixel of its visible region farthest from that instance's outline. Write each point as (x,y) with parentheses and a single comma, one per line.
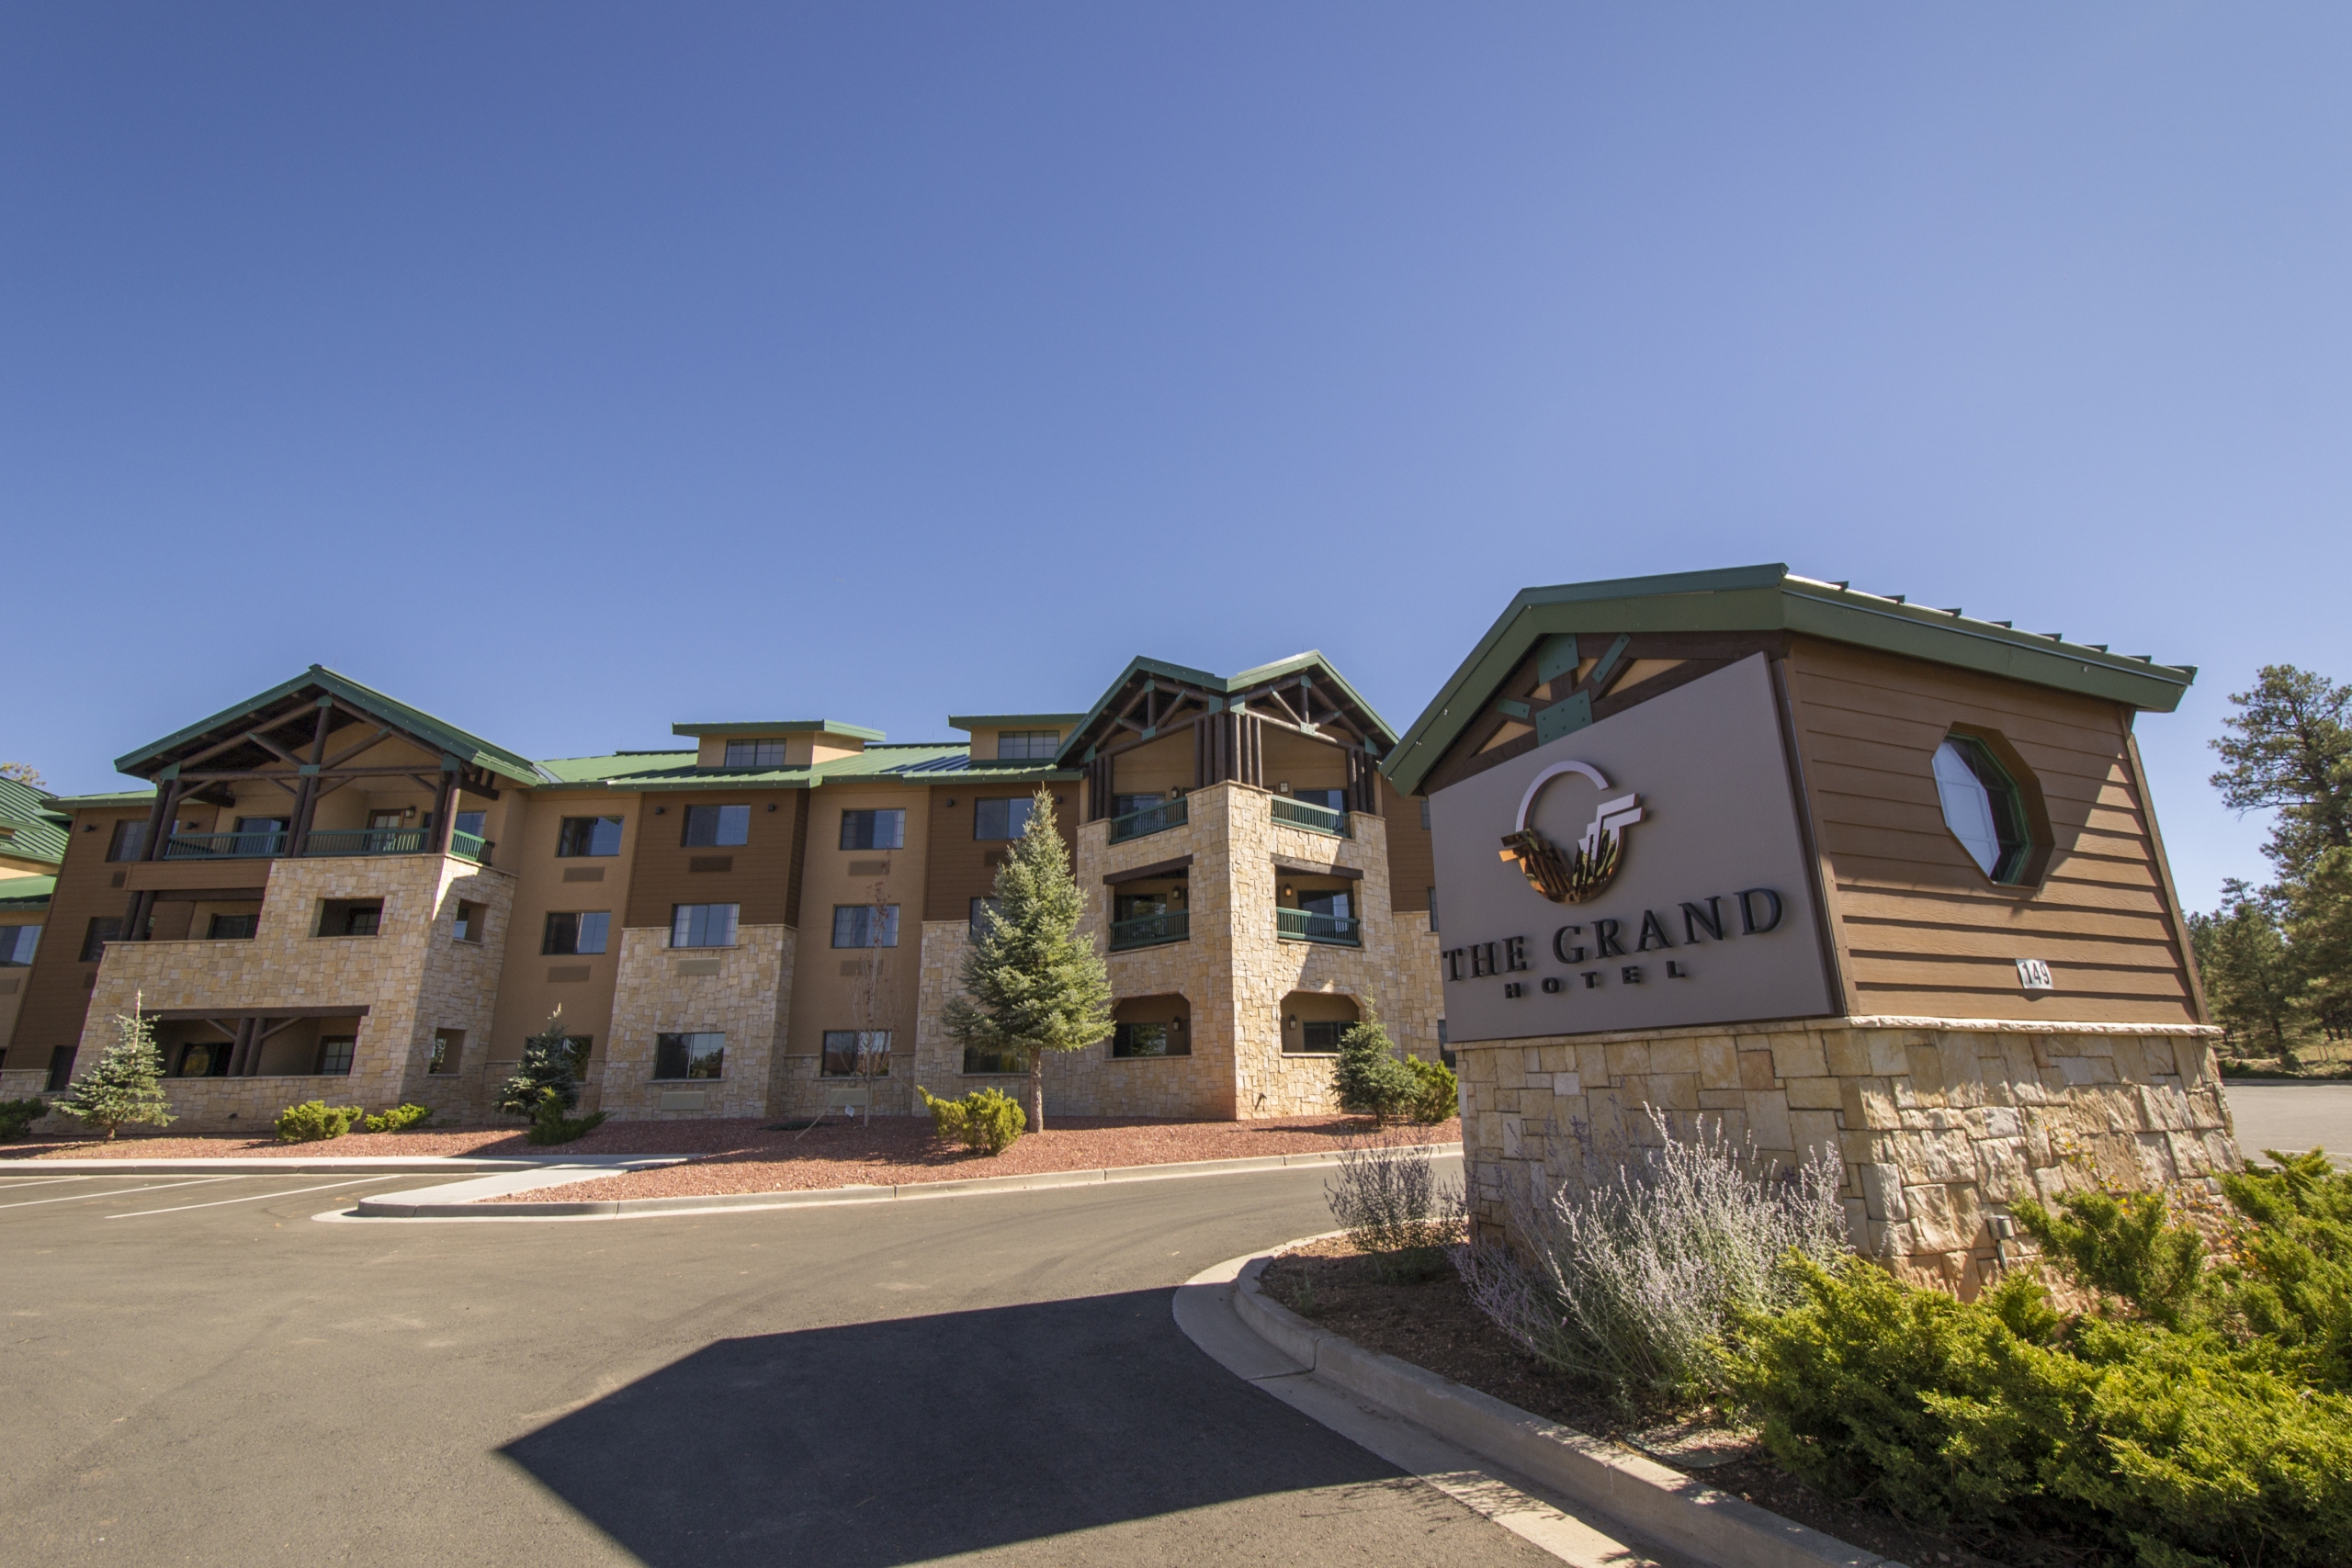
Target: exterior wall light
(1291,1022)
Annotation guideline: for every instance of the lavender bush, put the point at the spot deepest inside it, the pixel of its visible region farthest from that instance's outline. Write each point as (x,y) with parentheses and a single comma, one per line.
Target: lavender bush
(1627,1279)
(1388,1196)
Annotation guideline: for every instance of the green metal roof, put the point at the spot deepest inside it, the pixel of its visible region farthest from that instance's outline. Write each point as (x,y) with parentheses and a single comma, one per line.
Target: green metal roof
(660,771)
(1008,721)
(1771,598)
(26,892)
(99,802)
(781,726)
(29,814)
(439,733)
(1223,685)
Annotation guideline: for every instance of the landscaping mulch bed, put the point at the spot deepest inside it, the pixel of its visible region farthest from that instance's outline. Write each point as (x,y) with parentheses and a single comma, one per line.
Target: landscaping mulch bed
(897,1150)
(1433,1326)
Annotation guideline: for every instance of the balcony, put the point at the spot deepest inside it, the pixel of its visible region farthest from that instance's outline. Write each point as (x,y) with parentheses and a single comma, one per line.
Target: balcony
(1151,819)
(1150,930)
(323,841)
(1313,818)
(1333,931)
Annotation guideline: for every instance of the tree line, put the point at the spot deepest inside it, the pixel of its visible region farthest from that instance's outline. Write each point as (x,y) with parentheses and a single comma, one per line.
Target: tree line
(2277,960)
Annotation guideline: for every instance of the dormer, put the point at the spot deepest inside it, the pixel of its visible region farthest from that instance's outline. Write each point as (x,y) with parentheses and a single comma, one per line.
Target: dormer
(760,747)
(1024,740)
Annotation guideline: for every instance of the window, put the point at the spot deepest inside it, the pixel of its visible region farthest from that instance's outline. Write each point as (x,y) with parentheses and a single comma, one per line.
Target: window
(449,1051)
(1330,799)
(334,1054)
(578,1047)
(469,923)
(61,1068)
(16,945)
(1121,805)
(205,1059)
(755,753)
(983,911)
(1983,808)
(1027,744)
(993,1061)
(856,1053)
(698,1055)
(1004,819)
(873,830)
(1315,1037)
(1425,815)
(381,821)
(569,933)
(103,929)
(1432,908)
(702,925)
(230,927)
(350,916)
(710,827)
(865,925)
(1149,1040)
(260,835)
(588,836)
(129,841)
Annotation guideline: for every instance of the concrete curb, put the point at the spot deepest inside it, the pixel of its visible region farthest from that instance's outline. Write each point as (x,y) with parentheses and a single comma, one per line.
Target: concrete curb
(439,1204)
(1674,1510)
(328,1165)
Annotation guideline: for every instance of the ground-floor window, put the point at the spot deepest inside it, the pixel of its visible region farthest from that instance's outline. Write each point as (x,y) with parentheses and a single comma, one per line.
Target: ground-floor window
(449,1051)
(689,1055)
(1165,1039)
(1314,1037)
(334,1054)
(61,1068)
(976,1061)
(231,928)
(205,1059)
(856,1053)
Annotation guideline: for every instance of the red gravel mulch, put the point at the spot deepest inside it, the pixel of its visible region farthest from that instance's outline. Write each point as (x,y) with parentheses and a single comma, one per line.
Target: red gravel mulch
(897,1150)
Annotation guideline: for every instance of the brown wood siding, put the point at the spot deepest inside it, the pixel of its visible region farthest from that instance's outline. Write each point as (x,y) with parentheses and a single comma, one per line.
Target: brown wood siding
(1922,930)
(1412,865)
(962,868)
(57,987)
(759,880)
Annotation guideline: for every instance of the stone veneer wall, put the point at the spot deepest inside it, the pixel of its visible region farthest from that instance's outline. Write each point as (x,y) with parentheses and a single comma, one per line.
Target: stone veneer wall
(743,992)
(1233,971)
(1939,1124)
(413,976)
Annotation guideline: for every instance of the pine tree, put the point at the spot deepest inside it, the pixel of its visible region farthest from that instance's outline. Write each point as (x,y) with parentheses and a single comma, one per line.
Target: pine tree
(2291,752)
(2250,980)
(1370,1078)
(127,1085)
(546,1064)
(1031,984)
(2319,936)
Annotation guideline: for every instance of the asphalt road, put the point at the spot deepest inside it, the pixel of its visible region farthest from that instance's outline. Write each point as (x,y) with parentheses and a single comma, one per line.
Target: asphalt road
(2293,1118)
(993,1376)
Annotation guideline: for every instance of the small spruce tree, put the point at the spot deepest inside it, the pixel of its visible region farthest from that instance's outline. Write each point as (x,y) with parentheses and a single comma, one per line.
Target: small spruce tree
(127,1085)
(1370,1078)
(1031,984)
(546,1066)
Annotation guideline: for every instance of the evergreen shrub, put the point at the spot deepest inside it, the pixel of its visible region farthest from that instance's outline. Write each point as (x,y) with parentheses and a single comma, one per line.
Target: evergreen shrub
(984,1120)
(399,1118)
(314,1121)
(1370,1079)
(550,1125)
(15,1115)
(1437,1096)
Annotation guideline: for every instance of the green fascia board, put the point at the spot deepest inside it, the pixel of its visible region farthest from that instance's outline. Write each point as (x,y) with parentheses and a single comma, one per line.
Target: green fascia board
(1012,720)
(99,802)
(1769,598)
(26,892)
(439,733)
(781,726)
(1223,685)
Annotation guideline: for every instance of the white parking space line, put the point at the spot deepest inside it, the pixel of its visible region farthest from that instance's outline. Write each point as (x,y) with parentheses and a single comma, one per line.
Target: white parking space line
(250,1197)
(8,1182)
(117,1191)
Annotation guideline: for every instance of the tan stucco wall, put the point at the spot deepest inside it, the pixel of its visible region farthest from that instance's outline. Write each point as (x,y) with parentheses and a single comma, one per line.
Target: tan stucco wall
(529,988)
(413,976)
(825,995)
(12,992)
(1939,1124)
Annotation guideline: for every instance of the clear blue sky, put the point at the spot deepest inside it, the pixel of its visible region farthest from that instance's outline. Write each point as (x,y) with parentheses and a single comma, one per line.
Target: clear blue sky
(568,370)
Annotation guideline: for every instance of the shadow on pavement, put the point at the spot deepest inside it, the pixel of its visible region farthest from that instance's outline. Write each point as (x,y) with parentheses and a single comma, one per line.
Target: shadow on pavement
(892,1442)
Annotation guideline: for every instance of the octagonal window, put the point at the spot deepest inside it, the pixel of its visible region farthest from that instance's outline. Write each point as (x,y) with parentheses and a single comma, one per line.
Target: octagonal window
(1984,808)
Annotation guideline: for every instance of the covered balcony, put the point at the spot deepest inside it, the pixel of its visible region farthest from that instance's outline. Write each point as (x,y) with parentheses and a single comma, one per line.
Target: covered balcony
(1151,905)
(1318,904)
(252,841)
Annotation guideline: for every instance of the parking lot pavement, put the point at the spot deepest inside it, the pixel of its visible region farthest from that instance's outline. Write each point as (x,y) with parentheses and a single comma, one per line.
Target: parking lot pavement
(199,1371)
(2293,1118)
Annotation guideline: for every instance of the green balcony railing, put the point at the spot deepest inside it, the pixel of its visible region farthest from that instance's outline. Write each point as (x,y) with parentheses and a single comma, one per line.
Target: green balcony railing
(1314,818)
(1151,819)
(1302,925)
(470,846)
(1150,930)
(365,841)
(224,846)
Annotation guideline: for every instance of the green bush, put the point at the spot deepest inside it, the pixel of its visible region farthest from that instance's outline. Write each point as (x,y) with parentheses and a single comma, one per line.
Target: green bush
(983,1120)
(314,1121)
(15,1115)
(399,1118)
(1369,1077)
(550,1125)
(1437,1096)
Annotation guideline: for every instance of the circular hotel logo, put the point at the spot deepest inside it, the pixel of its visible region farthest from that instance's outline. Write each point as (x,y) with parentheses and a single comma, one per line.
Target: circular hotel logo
(1585,870)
